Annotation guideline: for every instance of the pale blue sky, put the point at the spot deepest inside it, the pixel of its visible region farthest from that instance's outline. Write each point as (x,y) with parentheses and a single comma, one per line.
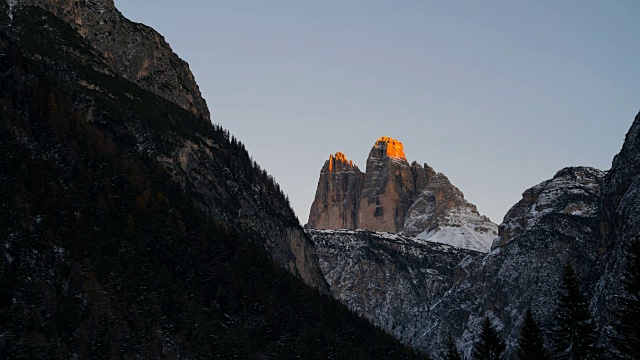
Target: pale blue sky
(497,95)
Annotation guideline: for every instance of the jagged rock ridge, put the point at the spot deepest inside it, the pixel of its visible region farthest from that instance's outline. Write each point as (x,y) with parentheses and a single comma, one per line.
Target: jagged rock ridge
(397,197)
(521,271)
(338,192)
(557,225)
(131,50)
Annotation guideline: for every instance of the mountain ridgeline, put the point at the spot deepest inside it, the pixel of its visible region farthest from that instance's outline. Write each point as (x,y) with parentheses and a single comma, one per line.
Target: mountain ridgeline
(131,226)
(397,197)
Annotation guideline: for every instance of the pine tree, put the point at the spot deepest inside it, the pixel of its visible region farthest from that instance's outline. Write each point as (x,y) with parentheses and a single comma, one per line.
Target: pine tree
(531,343)
(575,335)
(490,346)
(628,327)
(452,350)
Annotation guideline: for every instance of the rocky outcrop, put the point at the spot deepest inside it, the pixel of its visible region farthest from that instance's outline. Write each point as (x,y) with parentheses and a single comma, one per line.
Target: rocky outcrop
(440,213)
(560,226)
(337,195)
(256,212)
(388,278)
(388,188)
(581,216)
(134,51)
(394,196)
(619,226)
(560,195)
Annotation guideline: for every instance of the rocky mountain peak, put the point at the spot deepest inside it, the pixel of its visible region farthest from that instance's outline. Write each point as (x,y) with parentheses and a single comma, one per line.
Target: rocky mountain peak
(571,192)
(134,51)
(339,163)
(337,194)
(386,146)
(395,197)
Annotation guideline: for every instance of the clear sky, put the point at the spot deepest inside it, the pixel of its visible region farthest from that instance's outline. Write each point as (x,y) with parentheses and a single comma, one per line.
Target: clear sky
(497,95)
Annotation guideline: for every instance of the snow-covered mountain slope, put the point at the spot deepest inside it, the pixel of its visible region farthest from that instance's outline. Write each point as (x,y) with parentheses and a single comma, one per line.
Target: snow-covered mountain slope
(524,270)
(390,279)
(571,195)
(462,228)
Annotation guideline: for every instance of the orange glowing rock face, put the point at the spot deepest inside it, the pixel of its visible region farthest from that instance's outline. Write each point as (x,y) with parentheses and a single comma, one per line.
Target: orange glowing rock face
(338,157)
(395,149)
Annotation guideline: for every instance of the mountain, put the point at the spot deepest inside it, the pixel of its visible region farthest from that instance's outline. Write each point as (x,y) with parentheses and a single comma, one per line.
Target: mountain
(388,278)
(133,51)
(131,226)
(337,197)
(556,222)
(619,226)
(197,163)
(582,216)
(394,196)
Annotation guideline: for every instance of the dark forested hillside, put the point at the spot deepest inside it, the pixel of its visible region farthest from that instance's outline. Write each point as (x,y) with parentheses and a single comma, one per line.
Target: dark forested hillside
(104,255)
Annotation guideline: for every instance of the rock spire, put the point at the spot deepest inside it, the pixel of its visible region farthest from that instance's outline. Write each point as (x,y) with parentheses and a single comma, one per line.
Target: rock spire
(397,197)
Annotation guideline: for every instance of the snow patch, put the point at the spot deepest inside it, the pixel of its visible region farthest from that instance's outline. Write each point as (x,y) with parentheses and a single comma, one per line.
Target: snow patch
(460,236)
(9,257)
(12,4)
(462,228)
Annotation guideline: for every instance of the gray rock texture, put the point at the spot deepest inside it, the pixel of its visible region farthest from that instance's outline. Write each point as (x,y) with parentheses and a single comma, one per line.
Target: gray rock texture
(131,50)
(337,195)
(388,278)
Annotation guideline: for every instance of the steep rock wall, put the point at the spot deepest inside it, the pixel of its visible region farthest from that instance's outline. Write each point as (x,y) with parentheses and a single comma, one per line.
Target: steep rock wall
(133,51)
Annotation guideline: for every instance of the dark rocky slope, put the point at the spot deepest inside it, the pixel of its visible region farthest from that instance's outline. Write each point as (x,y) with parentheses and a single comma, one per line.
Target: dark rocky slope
(104,252)
(223,179)
(134,51)
(619,226)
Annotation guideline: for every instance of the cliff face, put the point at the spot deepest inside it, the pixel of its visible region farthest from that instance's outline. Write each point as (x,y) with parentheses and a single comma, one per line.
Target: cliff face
(559,226)
(221,184)
(337,195)
(388,188)
(619,226)
(388,278)
(394,196)
(549,197)
(134,51)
